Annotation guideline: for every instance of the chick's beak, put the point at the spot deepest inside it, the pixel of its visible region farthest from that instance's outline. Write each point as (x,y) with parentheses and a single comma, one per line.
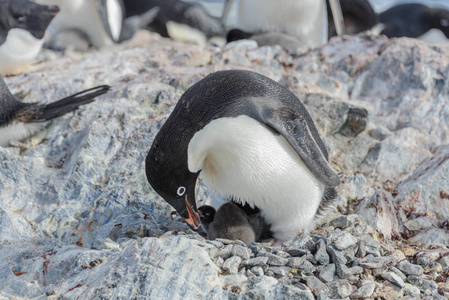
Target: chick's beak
(193,218)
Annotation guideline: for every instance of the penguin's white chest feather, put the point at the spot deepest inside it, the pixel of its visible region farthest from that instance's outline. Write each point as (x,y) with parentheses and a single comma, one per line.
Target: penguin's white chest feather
(17,131)
(241,158)
(18,51)
(304,19)
(83,15)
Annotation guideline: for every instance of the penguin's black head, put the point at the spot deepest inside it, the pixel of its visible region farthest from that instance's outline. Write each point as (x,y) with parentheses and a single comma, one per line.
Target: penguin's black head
(207,213)
(168,174)
(237,34)
(439,19)
(26,15)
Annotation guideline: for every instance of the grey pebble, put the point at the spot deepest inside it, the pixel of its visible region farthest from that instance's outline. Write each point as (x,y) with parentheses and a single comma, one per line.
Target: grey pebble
(241,251)
(256,261)
(361,251)
(398,272)
(339,289)
(373,263)
(273,260)
(231,265)
(393,278)
(444,262)
(365,290)
(342,271)
(345,241)
(341,222)
(321,255)
(409,268)
(316,285)
(258,271)
(421,283)
(411,290)
(304,242)
(327,273)
(280,271)
(336,256)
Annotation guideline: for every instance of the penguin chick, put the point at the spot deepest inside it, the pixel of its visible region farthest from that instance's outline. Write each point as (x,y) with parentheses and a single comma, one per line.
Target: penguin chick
(19,120)
(230,222)
(22,27)
(207,214)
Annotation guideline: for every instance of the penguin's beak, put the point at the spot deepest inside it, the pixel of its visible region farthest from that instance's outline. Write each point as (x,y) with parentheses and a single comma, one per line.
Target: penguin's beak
(53,10)
(191,216)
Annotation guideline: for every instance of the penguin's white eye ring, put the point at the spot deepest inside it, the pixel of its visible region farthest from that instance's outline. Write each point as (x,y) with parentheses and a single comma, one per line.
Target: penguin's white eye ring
(181,190)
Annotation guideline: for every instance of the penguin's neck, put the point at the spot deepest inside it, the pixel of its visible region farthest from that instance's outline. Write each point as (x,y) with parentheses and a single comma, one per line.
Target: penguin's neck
(18,51)
(242,159)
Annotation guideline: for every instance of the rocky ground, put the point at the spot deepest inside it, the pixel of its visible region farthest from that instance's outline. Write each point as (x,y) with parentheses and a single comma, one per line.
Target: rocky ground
(79,220)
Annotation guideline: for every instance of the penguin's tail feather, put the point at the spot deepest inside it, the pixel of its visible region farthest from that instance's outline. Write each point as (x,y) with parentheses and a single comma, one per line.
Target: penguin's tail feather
(56,109)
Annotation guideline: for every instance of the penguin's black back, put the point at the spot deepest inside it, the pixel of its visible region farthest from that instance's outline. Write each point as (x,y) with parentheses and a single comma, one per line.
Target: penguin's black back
(230,94)
(221,94)
(405,20)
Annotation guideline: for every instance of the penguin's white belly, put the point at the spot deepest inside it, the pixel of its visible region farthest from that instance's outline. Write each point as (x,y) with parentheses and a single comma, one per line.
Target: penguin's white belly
(304,19)
(83,15)
(241,158)
(18,51)
(16,132)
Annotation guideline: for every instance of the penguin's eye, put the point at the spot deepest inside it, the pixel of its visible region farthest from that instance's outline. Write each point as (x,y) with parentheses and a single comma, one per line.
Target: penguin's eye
(20,18)
(444,22)
(181,190)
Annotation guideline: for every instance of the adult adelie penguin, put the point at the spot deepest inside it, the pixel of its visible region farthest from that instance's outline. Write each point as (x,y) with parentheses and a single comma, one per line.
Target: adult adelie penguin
(306,20)
(100,23)
(414,20)
(254,142)
(20,120)
(22,27)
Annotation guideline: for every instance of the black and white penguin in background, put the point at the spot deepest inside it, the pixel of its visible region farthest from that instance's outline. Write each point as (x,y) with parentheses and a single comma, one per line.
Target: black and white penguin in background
(305,20)
(22,28)
(179,20)
(253,142)
(97,23)
(286,23)
(19,120)
(416,21)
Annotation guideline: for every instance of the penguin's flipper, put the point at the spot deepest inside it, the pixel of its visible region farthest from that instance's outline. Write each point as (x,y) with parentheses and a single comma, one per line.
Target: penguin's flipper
(295,130)
(132,24)
(42,113)
(112,15)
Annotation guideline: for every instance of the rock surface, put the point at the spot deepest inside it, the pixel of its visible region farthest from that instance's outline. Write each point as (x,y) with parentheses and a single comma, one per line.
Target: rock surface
(79,220)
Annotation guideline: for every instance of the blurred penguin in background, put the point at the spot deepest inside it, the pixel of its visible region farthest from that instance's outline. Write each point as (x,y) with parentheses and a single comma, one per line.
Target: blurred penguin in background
(416,21)
(179,20)
(97,23)
(22,27)
(305,20)
(285,23)
(358,16)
